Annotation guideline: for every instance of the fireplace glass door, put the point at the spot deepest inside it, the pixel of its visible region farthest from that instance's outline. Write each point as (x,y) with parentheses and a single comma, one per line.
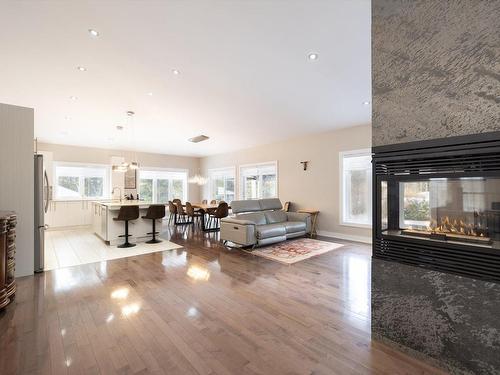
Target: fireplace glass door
(458,210)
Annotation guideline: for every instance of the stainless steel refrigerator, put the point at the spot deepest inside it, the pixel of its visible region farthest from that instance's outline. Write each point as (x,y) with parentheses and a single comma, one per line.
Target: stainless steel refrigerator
(42,199)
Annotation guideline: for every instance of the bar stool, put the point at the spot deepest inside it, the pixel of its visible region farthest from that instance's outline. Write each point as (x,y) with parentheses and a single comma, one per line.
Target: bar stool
(155,212)
(126,214)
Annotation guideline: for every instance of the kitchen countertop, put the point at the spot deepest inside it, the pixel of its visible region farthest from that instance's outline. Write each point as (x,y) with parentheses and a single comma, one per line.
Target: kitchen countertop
(118,204)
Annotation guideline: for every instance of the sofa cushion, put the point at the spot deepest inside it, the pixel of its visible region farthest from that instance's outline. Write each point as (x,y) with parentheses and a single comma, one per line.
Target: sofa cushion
(270,204)
(256,217)
(247,205)
(275,217)
(295,226)
(270,230)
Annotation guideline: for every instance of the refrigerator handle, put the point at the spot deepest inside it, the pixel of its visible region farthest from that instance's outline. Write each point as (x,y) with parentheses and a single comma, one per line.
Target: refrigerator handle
(47,191)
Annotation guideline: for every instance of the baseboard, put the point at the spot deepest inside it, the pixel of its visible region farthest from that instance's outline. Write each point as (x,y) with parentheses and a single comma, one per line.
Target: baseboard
(347,237)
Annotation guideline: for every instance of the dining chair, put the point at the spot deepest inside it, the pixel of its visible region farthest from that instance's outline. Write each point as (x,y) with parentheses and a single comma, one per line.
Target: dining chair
(221,212)
(204,201)
(172,208)
(192,213)
(181,214)
(213,201)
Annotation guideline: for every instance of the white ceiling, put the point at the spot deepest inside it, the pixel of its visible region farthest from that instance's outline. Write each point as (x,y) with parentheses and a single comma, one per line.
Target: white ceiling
(245,77)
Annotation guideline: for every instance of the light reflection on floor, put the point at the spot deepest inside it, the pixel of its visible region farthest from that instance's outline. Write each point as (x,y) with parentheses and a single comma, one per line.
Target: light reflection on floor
(356,272)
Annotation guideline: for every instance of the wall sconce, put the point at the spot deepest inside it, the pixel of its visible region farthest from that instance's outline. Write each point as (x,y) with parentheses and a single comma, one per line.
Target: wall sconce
(304,164)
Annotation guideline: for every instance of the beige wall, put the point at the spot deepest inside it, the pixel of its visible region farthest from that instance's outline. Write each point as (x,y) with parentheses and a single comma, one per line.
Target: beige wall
(103,156)
(17,179)
(319,186)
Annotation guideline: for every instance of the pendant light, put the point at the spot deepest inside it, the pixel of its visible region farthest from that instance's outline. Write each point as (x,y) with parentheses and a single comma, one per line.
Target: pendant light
(124,167)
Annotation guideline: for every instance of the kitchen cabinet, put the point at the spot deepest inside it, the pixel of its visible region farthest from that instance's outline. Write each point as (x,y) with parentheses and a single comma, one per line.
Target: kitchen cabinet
(69,213)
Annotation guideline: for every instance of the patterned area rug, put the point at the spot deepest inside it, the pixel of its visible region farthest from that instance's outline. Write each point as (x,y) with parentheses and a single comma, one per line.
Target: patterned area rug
(293,251)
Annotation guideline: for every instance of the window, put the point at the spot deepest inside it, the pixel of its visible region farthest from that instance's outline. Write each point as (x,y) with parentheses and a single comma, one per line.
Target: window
(259,181)
(356,189)
(222,184)
(161,186)
(81,181)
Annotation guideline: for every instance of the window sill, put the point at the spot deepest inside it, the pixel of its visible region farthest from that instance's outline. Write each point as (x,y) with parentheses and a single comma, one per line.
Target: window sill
(356,225)
(80,199)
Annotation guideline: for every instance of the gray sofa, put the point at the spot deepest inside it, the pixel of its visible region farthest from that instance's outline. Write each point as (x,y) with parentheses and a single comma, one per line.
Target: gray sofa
(262,222)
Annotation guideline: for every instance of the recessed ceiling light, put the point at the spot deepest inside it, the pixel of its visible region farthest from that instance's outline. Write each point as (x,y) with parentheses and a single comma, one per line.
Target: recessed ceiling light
(313,56)
(150,94)
(119,127)
(93,33)
(366,103)
(176,72)
(72,97)
(130,113)
(81,68)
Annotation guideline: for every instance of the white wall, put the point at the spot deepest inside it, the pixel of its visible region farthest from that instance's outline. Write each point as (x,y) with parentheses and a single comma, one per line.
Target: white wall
(17,179)
(103,156)
(319,186)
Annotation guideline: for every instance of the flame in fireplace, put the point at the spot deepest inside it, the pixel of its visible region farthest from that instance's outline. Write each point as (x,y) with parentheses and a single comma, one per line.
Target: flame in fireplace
(455,226)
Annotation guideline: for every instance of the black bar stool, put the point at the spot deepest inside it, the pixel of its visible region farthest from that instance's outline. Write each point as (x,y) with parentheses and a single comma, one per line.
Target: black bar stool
(155,212)
(126,214)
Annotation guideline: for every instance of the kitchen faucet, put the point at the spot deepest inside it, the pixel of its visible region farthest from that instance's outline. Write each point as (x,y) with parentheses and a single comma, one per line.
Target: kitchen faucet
(113,191)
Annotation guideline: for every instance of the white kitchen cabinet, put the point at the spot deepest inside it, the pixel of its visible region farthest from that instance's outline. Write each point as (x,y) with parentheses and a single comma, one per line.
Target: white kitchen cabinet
(69,214)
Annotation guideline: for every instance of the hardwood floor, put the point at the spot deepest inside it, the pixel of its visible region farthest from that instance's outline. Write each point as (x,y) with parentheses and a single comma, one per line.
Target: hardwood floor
(201,309)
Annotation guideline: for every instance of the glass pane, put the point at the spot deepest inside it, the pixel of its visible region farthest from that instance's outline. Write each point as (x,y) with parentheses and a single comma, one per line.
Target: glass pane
(251,187)
(229,189)
(461,209)
(218,188)
(357,193)
(177,189)
(385,206)
(357,197)
(161,191)
(269,186)
(68,186)
(416,209)
(146,189)
(94,186)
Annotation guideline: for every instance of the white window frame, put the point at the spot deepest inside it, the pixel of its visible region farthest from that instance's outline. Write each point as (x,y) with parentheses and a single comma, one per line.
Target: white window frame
(226,172)
(106,184)
(185,184)
(342,155)
(253,165)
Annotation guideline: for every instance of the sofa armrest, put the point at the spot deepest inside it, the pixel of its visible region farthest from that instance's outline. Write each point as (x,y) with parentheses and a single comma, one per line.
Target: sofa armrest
(300,216)
(240,232)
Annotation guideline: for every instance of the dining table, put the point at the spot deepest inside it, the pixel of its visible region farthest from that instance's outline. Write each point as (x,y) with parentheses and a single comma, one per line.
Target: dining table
(204,209)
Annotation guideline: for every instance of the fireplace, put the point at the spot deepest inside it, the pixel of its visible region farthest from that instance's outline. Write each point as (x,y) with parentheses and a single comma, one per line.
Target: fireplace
(437,204)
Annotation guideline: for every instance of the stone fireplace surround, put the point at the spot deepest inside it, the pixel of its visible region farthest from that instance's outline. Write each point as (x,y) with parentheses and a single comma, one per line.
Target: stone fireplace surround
(435,74)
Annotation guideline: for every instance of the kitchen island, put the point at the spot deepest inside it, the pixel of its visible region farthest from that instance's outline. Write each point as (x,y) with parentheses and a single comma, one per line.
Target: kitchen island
(109,230)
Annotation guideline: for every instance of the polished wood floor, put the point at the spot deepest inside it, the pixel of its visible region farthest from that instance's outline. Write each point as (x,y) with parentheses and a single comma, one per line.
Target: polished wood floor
(201,309)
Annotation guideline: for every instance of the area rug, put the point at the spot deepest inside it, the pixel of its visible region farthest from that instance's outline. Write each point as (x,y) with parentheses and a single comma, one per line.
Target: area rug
(293,251)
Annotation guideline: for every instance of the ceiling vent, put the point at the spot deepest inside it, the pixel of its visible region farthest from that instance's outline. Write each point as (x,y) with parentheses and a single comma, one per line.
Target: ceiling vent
(199,138)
